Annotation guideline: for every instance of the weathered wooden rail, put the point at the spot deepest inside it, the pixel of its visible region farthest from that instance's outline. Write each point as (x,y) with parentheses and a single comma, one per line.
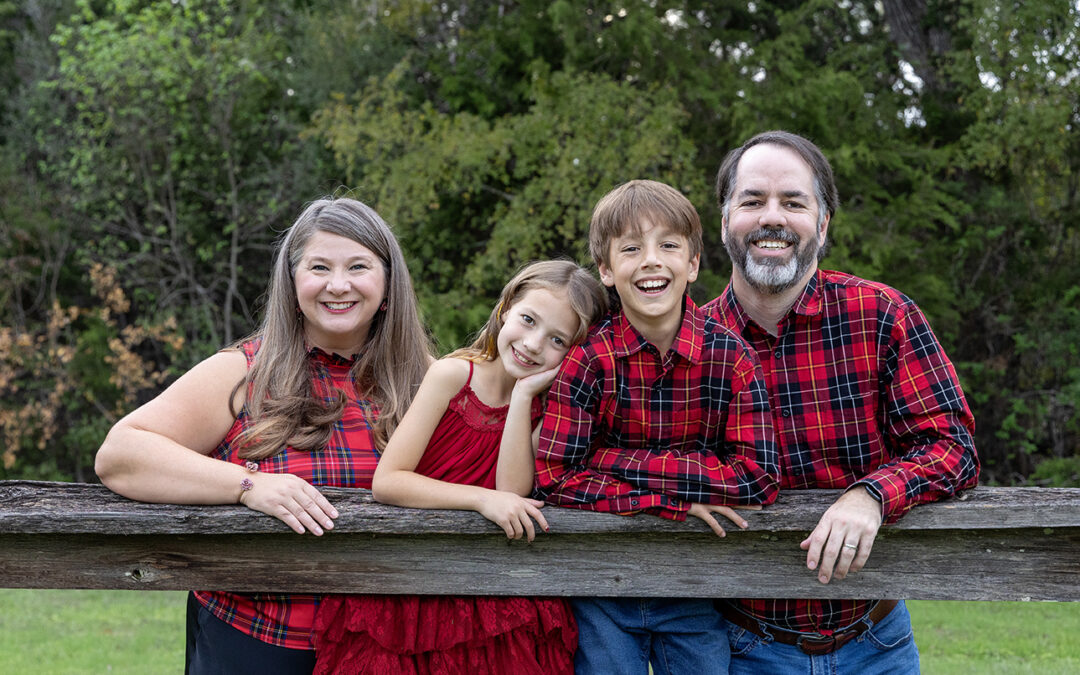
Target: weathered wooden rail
(990,544)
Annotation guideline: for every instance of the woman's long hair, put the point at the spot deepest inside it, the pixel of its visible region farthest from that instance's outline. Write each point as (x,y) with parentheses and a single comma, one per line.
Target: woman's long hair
(586,295)
(280,398)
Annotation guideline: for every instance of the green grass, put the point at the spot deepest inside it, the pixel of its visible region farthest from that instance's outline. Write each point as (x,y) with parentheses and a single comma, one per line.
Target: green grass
(65,632)
(997,637)
(60,632)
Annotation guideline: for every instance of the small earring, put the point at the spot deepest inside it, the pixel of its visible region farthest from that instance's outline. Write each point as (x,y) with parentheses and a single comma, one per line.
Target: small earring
(382,307)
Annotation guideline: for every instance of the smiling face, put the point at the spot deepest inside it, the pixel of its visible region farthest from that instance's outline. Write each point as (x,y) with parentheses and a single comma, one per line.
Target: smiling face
(340,285)
(650,270)
(536,332)
(771,229)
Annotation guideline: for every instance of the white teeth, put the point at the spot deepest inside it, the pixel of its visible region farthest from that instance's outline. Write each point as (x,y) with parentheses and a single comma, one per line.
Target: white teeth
(770,243)
(652,284)
(339,305)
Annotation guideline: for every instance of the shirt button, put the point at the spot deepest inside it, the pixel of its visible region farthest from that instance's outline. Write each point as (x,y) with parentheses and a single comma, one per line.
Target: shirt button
(778,354)
(634,502)
(785,413)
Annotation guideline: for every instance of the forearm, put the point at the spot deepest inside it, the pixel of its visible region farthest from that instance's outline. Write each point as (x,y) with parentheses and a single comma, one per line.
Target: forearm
(517,457)
(928,426)
(588,489)
(927,472)
(690,476)
(413,490)
(148,467)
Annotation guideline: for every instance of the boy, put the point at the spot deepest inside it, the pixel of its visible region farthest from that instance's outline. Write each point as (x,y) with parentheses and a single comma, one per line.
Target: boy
(661,410)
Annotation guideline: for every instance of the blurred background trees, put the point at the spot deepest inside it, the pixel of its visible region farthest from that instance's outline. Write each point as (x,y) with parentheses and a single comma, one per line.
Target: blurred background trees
(150,152)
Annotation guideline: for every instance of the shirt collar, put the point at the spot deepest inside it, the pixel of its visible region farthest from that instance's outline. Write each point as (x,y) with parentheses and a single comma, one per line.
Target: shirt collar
(330,358)
(688,340)
(809,303)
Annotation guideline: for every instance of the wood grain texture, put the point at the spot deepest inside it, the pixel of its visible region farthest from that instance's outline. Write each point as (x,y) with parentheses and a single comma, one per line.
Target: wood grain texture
(993,544)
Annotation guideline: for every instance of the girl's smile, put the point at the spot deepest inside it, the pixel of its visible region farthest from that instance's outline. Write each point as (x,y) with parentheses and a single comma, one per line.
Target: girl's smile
(536,332)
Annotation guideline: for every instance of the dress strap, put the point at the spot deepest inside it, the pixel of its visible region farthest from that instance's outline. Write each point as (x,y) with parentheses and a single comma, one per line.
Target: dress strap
(471,364)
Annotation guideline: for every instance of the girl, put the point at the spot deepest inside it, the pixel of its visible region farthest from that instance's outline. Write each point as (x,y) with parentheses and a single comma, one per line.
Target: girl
(468,442)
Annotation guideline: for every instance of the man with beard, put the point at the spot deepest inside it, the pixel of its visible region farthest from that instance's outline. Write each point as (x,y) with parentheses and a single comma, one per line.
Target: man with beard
(863,398)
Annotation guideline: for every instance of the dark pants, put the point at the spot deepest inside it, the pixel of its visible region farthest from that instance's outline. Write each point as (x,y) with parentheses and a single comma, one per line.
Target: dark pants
(216,648)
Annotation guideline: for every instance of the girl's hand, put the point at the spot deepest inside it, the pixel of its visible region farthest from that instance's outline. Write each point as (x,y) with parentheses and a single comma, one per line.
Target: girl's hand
(514,514)
(706,511)
(290,499)
(537,383)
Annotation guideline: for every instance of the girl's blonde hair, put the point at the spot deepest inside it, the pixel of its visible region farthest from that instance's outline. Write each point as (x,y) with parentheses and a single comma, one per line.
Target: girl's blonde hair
(281,403)
(586,295)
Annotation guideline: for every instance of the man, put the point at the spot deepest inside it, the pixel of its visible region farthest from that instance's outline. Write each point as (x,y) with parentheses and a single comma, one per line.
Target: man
(863,398)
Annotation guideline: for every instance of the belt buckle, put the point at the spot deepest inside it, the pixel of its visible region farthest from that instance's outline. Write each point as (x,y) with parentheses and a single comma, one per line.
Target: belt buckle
(816,646)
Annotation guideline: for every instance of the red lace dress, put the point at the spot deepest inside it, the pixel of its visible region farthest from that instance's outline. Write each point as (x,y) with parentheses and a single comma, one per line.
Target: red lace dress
(447,634)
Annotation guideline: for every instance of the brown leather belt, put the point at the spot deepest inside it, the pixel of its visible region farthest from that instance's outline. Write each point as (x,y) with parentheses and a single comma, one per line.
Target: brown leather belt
(813,644)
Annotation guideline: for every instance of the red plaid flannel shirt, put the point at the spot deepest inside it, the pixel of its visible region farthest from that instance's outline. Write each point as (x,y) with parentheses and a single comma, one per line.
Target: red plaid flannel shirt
(861,393)
(347,461)
(629,430)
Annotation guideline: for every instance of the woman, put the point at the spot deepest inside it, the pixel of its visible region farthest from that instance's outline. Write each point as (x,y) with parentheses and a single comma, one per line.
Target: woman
(315,392)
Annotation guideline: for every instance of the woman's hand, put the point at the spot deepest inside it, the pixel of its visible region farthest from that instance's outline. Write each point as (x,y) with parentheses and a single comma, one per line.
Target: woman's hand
(706,511)
(513,513)
(290,499)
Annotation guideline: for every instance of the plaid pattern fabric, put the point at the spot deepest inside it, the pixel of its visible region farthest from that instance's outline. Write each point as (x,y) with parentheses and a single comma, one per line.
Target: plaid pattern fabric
(347,461)
(628,430)
(861,393)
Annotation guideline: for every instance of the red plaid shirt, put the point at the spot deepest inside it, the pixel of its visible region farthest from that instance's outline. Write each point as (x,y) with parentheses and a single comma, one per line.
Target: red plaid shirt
(630,431)
(861,393)
(347,461)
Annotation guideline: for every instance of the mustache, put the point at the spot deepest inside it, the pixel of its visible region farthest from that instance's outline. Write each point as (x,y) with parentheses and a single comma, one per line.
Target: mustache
(774,234)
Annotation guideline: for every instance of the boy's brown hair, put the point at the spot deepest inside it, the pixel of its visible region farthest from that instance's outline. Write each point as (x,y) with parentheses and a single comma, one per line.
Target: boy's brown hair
(622,210)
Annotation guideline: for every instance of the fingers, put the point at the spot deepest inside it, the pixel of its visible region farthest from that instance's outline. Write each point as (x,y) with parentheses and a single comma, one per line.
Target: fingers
(730,514)
(842,541)
(704,513)
(293,501)
(515,514)
(538,382)
(534,512)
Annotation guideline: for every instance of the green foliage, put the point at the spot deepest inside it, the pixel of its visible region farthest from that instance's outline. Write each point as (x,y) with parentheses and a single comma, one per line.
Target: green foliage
(472,199)
(169,141)
(171,128)
(1057,472)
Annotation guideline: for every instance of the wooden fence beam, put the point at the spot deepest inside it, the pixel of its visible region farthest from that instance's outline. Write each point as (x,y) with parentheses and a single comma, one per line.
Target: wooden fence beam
(989,544)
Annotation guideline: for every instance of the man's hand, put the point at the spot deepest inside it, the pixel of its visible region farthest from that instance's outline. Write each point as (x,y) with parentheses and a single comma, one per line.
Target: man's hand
(844,535)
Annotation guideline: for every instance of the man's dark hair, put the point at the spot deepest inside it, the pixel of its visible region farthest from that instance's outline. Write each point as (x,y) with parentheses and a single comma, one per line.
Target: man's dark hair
(824,183)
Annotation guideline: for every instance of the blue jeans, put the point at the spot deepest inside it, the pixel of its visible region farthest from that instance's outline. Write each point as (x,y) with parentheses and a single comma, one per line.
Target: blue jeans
(886,648)
(620,636)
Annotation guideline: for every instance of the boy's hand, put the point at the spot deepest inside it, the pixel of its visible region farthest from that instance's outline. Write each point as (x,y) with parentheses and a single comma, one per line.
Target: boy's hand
(706,511)
(513,513)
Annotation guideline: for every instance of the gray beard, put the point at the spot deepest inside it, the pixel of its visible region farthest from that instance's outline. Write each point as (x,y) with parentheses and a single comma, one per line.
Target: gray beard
(773,278)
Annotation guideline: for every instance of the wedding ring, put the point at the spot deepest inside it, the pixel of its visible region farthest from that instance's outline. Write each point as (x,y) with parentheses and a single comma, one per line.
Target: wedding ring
(853,547)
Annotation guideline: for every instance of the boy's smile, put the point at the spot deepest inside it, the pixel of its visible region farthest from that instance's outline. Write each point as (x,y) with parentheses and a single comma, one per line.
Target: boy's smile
(650,270)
